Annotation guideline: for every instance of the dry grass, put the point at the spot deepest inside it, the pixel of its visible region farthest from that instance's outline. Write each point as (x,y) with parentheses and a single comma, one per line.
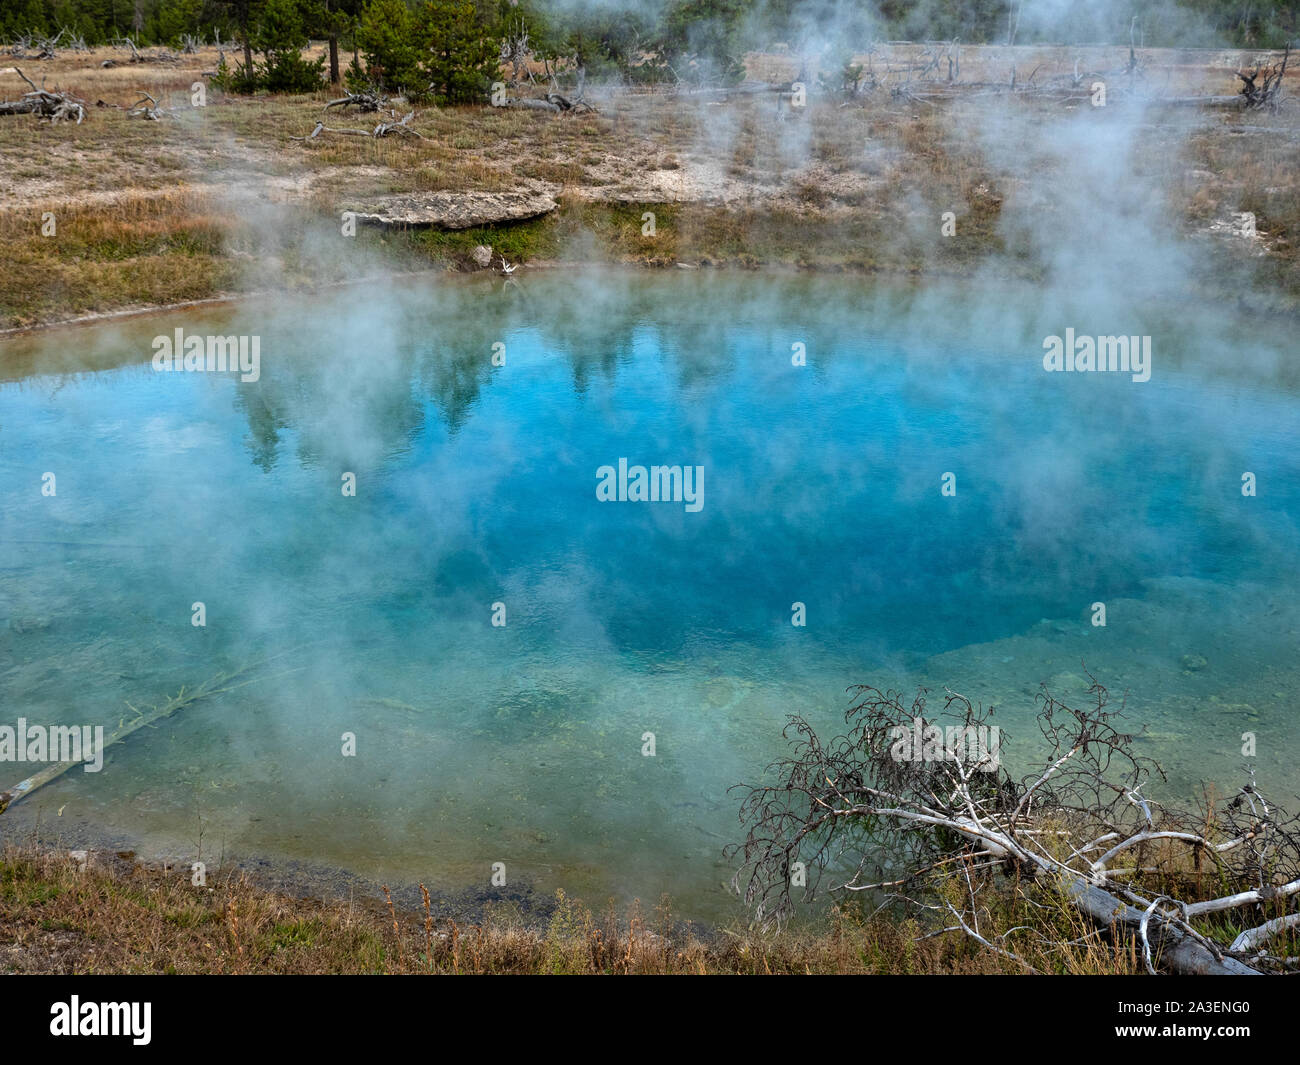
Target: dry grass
(154,247)
(117,916)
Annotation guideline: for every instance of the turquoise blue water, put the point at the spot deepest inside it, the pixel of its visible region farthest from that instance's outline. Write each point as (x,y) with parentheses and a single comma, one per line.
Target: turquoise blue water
(476,485)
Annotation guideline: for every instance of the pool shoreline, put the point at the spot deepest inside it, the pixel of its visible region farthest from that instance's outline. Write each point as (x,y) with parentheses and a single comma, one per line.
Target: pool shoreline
(446,272)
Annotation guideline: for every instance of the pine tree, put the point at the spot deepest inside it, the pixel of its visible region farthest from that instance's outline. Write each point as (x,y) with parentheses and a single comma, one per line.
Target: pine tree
(387,39)
(462,52)
(280,36)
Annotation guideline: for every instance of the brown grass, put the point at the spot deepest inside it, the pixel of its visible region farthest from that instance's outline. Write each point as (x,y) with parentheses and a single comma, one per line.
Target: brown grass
(111,913)
(117,916)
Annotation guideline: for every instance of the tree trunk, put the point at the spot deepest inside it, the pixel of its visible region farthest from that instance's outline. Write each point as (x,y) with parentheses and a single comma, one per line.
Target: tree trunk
(1178,951)
(334,59)
(246,33)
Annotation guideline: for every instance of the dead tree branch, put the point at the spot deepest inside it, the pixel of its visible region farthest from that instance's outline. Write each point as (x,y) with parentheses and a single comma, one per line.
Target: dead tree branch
(161,55)
(554,103)
(149,110)
(384,129)
(906,797)
(1265,93)
(515,50)
(366,101)
(56,106)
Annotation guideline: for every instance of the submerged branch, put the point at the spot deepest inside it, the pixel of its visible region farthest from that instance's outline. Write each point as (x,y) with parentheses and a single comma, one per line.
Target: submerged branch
(216,685)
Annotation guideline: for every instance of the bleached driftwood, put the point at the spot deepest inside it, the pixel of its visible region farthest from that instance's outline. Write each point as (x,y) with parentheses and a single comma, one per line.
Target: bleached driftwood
(160,55)
(384,129)
(217,685)
(1080,828)
(56,106)
(369,100)
(147,108)
(1264,93)
(552,102)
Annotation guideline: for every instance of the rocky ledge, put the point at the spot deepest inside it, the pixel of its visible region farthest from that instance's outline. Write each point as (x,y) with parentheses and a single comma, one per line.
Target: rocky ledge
(455,210)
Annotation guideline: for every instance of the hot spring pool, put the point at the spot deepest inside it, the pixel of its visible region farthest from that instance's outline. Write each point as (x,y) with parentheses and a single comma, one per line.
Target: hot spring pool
(476,499)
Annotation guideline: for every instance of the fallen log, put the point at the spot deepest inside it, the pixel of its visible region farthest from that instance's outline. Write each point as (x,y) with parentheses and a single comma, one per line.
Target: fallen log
(217,685)
(1229,102)
(152,112)
(56,106)
(1080,830)
(743,89)
(1178,951)
(534,105)
(368,101)
(552,102)
(1268,93)
(45,46)
(162,55)
(384,129)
